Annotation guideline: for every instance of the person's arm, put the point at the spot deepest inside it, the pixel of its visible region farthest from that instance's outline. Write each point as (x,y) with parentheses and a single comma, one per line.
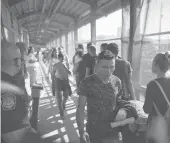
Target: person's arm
(74,60)
(75,68)
(148,98)
(80,115)
(67,61)
(69,72)
(130,84)
(49,68)
(88,65)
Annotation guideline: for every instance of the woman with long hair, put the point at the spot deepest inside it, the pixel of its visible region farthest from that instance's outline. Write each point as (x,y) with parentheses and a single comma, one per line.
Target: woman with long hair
(157,98)
(32,65)
(53,60)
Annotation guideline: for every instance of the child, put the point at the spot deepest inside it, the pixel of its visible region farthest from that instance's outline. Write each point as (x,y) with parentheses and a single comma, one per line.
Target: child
(61,83)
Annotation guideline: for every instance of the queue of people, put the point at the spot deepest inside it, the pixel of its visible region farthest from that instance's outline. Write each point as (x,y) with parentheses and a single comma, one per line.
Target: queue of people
(16,125)
(59,71)
(104,84)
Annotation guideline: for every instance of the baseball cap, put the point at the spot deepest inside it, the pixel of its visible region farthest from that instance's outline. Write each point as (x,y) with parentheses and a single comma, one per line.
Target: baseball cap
(9,51)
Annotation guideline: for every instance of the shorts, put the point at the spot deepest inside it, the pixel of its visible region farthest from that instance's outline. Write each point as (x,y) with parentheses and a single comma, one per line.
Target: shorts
(62,85)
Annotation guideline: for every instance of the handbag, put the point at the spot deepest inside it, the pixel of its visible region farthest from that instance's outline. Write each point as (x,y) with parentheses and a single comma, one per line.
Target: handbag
(160,118)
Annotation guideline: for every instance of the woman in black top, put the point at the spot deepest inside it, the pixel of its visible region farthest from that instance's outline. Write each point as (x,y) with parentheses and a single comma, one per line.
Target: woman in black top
(160,67)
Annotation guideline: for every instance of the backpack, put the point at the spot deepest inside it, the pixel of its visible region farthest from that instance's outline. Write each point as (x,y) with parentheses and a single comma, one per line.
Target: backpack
(167,113)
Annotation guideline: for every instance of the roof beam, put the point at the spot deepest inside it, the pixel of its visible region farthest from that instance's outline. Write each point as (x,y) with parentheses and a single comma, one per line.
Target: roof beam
(30,13)
(55,24)
(85,1)
(62,26)
(14,2)
(45,34)
(37,43)
(66,14)
(38,12)
(46,31)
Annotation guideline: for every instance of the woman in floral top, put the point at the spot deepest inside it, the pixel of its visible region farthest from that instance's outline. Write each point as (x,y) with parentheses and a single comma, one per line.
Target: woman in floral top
(99,91)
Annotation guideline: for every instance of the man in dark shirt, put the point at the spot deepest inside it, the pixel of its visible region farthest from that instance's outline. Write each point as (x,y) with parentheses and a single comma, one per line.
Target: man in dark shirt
(86,66)
(99,91)
(14,108)
(123,71)
(78,49)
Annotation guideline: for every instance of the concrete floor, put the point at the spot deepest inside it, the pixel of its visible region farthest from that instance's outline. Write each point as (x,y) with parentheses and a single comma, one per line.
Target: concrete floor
(50,125)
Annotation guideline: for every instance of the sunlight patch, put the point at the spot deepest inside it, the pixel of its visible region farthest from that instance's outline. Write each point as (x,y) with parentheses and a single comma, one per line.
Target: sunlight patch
(44,104)
(71,111)
(48,107)
(77,132)
(69,102)
(57,115)
(73,107)
(70,105)
(73,118)
(63,129)
(50,117)
(57,140)
(60,121)
(66,139)
(55,132)
(75,125)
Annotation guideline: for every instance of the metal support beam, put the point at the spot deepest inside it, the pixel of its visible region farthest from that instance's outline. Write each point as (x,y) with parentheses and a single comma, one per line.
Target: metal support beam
(38,12)
(61,40)
(85,1)
(66,37)
(55,24)
(93,25)
(134,50)
(75,33)
(30,13)
(46,31)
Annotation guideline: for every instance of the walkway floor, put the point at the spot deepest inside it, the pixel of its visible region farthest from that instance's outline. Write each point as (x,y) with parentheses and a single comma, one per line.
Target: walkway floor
(50,124)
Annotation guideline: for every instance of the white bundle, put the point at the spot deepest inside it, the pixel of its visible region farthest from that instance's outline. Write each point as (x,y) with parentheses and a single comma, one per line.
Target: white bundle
(123,122)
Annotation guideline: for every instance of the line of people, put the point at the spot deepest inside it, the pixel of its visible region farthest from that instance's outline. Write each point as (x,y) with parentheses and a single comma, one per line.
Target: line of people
(103,82)
(59,72)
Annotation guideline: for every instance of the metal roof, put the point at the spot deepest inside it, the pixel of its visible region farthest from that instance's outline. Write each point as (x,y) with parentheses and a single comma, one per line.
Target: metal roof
(47,19)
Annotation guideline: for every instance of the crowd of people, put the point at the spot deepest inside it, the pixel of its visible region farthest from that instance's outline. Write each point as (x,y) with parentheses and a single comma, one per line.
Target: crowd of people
(104,84)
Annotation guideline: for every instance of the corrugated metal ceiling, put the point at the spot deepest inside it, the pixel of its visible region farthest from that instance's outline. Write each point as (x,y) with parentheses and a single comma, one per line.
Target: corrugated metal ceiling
(48,18)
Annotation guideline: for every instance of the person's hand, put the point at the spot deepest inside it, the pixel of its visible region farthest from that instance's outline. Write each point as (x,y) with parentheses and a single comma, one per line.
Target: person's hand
(84,138)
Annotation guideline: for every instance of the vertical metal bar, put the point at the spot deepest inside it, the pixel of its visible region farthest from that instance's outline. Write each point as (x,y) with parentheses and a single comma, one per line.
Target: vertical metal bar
(131,32)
